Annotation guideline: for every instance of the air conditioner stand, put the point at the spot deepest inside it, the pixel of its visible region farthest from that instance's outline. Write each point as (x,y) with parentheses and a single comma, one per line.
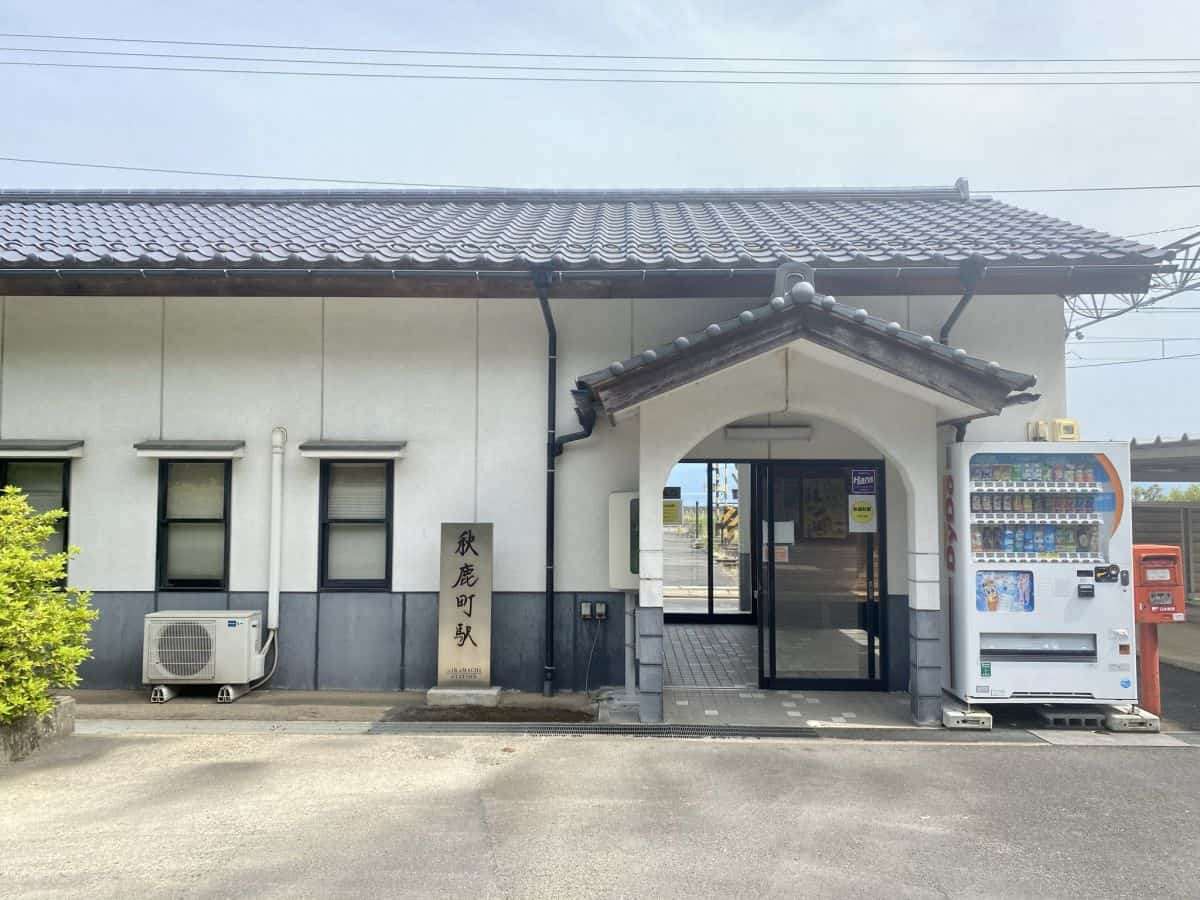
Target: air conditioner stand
(230,692)
(161,693)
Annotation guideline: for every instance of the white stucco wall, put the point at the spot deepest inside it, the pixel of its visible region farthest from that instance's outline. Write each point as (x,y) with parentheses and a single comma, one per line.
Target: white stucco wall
(463,381)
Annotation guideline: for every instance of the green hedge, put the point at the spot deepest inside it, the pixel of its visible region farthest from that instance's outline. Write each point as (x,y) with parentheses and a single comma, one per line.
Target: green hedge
(43,624)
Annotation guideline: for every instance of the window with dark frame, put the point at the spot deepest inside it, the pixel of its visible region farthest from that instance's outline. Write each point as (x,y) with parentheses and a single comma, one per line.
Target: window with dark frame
(46,484)
(193,524)
(356,525)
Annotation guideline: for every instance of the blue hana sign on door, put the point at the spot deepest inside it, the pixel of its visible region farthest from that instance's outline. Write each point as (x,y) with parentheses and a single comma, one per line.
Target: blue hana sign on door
(862,481)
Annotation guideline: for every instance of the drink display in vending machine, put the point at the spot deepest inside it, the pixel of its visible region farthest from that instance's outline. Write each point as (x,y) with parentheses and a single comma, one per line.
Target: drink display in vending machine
(1038,548)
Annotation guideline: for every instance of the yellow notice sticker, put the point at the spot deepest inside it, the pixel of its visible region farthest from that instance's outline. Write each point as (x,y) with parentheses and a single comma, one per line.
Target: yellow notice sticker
(862,513)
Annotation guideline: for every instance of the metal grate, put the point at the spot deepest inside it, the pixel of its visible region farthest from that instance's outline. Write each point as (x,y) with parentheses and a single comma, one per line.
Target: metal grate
(184,650)
(613,729)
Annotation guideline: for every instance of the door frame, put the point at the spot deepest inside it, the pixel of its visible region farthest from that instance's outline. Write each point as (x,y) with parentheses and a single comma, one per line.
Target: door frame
(763,481)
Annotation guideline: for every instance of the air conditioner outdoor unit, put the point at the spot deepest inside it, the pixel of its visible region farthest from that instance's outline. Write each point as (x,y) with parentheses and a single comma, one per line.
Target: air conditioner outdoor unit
(222,647)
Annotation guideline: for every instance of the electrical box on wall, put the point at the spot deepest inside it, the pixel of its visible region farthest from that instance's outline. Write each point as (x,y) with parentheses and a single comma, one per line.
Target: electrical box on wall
(623,541)
(1064,430)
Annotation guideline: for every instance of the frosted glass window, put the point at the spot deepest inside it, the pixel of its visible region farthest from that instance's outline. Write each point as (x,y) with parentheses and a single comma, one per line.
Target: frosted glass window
(193,526)
(356,526)
(196,551)
(195,490)
(44,485)
(357,552)
(357,490)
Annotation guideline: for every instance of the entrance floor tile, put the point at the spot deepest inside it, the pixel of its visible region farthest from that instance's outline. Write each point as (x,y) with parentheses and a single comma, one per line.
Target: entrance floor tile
(822,709)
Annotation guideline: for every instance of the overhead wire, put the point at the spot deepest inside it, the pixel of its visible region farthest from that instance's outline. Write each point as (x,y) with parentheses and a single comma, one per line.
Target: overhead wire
(566,79)
(419,184)
(1134,362)
(142,54)
(577,55)
(213,174)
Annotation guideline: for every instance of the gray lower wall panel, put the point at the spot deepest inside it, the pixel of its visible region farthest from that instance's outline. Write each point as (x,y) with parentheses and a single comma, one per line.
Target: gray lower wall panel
(185,600)
(518,636)
(116,640)
(608,638)
(378,641)
(297,637)
(420,641)
(359,642)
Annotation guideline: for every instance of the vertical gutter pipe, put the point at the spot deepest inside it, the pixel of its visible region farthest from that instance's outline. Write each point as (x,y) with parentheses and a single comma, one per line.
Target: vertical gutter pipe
(275,547)
(541,282)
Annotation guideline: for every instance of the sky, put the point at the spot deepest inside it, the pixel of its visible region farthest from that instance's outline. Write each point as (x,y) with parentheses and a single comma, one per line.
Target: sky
(616,135)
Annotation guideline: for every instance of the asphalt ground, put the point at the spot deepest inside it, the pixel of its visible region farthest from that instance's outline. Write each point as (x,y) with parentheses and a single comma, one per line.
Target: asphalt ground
(289,815)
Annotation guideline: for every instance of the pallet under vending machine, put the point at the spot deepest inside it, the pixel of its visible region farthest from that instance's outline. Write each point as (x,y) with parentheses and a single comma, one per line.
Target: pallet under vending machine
(1038,550)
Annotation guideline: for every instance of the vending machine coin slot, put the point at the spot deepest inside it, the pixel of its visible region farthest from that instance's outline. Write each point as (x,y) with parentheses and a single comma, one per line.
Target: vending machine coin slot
(1087,591)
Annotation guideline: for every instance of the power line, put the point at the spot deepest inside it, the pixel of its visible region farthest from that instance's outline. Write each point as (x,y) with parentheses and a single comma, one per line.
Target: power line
(1136,340)
(1082,190)
(480,187)
(157,171)
(563,79)
(563,55)
(1134,362)
(1162,230)
(140,54)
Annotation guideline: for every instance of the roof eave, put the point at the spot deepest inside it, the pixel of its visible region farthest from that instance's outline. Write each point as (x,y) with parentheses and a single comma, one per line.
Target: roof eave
(750,281)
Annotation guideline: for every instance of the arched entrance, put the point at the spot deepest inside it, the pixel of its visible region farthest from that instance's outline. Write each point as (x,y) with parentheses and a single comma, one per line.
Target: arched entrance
(852,419)
(776,559)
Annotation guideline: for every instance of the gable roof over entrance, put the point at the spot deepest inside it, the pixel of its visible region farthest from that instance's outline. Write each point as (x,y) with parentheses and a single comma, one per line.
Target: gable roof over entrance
(859,241)
(799,315)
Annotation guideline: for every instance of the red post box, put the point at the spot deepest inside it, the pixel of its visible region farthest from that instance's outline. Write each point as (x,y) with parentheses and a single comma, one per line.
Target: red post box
(1158,597)
(1158,592)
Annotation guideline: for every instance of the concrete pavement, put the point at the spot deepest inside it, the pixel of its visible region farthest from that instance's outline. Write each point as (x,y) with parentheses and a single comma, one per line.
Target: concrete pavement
(1179,643)
(505,816)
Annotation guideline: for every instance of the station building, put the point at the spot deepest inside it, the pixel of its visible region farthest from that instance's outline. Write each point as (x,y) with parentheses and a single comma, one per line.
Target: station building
(730,357)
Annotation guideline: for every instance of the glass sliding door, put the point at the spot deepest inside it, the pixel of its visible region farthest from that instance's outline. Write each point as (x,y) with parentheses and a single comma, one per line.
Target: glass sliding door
(686,541)
(707,561)
(821,538)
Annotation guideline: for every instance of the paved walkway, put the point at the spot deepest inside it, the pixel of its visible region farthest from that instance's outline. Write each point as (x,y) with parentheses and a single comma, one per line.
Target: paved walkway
(816,709)
(711,656)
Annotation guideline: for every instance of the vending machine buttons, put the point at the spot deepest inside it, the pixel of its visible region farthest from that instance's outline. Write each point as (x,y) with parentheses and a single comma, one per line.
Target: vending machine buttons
(1087,591)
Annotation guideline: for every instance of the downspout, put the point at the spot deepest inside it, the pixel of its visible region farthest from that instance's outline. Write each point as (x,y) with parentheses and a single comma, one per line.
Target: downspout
(970,271)
(554,446)
(541,283)
(274,550)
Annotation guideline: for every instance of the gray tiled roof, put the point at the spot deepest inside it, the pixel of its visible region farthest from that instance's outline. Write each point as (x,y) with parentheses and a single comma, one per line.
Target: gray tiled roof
(519,229)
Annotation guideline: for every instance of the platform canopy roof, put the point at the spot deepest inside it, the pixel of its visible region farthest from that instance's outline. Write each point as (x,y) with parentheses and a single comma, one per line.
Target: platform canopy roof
(1171,459)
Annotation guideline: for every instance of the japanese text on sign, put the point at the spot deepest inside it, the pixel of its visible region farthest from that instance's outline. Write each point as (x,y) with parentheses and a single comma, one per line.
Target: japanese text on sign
(465,605)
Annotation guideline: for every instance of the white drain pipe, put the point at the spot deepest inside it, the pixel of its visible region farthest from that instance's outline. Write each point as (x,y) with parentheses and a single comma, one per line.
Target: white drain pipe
(274,554)
(275,550)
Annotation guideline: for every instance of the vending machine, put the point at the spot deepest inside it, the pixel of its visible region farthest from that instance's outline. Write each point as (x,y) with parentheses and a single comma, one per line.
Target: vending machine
(1037,559)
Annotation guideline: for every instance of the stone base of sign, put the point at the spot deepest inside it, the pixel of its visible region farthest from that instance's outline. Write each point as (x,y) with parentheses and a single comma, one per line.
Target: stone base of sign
(463,696)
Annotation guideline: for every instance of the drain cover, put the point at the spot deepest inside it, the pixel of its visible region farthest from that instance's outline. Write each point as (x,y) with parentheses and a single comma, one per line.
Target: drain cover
(619,729)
